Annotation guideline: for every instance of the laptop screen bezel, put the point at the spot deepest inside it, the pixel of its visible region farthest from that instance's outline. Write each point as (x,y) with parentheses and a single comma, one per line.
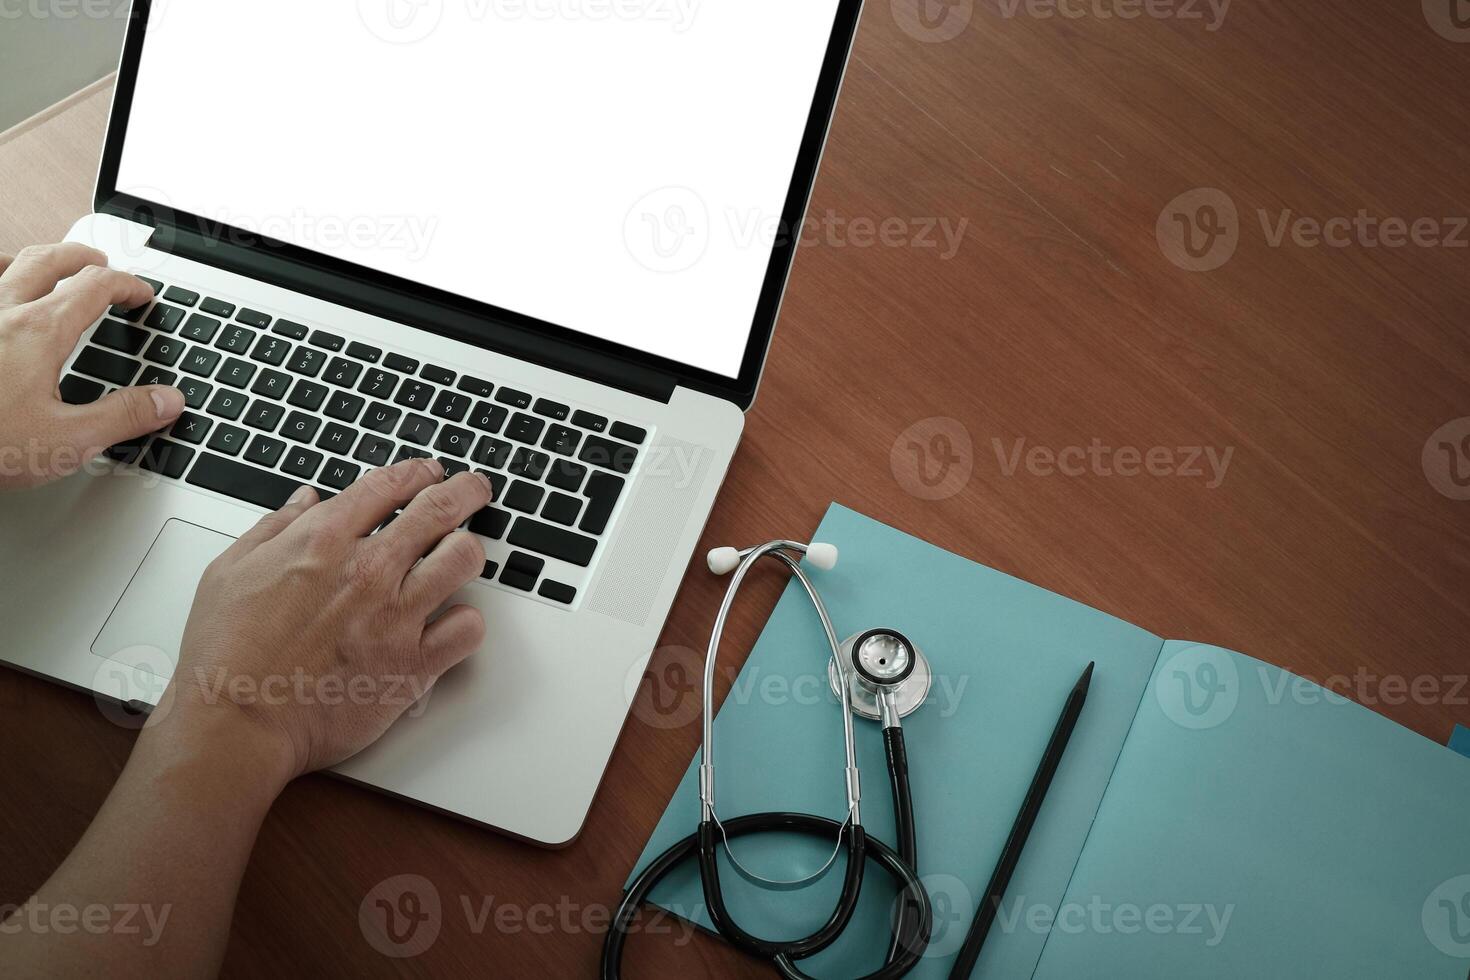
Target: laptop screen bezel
(308,266)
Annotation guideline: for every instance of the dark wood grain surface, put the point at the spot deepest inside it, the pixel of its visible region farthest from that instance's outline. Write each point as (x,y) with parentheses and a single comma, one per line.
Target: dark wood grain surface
(1061,323)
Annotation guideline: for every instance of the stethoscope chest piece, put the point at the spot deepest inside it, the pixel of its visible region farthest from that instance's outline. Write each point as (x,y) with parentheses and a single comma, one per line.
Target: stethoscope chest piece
(882,659)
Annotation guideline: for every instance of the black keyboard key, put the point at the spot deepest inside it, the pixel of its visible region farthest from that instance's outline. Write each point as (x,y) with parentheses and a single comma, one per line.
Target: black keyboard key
(455,441)
(253,318)
(165,350)
(561,440)
(524,496)
(79,391)
(338,439)
(490,522)
(201,361)
(409,452)
(562,509)
(289,328)
(130,314)
(339,474)
(566,475)
(513,398)
(235,339)
(119,336)
(227,404)
(602,493)
(493,452)
(180,295)
(166,458)
(551,409)
(610,455)
(415,395)
(568,546)
(272,350)
(438,375)
(521,571)
(125,452)
(165,318)
(327,341)
(247,483)
(378,384)
(450,406)
(345,407)
(525,428)
(236,373)
(628,433)
(264,416)
(265,451)
(308,395)
(401,364)
(374,450)
(306,362)
(106,365)
(218,307)
(153,375)
(302,462)
(300,426)
(529,463)
(497,483)
(228,439)
(342,372)
(490,569)
(487,417)
(453,467)
(199,327)
(381,418)
(157,286)
(363,352)
(271,384)
(196,392)
(557,592)
(191,428)
(587,420)
(476,387)
(417,429)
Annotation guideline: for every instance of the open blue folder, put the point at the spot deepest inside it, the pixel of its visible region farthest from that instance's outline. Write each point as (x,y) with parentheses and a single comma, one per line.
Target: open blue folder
(1214,816)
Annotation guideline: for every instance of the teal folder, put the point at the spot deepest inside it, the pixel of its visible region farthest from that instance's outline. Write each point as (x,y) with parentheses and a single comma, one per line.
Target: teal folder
(1214,816)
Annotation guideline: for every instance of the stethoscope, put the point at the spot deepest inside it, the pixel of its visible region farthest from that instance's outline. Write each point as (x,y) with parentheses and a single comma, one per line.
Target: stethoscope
(877,674)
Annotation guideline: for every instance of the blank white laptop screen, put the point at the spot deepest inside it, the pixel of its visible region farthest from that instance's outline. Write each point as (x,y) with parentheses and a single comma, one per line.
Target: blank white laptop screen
(616,167)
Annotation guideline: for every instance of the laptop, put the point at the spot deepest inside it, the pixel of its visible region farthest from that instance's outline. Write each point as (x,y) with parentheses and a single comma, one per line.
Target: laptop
(537,239)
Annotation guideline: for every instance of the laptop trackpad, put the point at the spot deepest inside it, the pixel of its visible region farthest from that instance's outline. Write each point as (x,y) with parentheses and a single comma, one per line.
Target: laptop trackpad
(147,627)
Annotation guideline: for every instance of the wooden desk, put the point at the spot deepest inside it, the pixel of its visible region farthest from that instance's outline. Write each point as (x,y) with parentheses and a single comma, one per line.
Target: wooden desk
(1059,321)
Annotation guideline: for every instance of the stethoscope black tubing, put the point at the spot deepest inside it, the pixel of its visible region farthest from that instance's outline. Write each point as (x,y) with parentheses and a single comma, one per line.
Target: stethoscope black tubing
(914,921)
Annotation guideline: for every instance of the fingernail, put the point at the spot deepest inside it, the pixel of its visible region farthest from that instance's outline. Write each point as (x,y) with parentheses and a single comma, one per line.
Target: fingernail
(167,402)
(302,495)
(489,488)
(435,467)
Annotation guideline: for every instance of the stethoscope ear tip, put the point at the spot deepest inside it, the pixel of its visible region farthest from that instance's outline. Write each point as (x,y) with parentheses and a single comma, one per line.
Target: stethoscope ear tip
(823,556)
(722,561)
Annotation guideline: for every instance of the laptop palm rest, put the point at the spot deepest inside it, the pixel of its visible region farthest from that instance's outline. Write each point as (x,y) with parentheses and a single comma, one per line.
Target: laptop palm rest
(146,628)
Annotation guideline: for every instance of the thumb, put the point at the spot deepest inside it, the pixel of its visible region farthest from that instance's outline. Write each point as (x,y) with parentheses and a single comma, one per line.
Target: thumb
(127,413)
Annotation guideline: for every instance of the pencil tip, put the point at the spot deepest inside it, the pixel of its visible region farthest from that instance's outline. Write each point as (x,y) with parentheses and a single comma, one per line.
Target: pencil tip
(1086,678)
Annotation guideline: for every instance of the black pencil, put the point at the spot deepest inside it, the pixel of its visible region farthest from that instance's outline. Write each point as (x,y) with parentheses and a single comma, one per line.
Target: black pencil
(1010,855)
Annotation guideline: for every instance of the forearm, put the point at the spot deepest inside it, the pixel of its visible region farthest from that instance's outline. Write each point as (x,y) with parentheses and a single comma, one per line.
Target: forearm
(150,889)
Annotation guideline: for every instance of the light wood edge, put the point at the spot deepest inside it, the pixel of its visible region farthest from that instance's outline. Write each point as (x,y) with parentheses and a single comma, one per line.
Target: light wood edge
(56,108)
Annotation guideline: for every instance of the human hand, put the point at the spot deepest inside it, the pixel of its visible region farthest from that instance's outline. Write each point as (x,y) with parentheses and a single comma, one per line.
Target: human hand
(49,295)
(311,634)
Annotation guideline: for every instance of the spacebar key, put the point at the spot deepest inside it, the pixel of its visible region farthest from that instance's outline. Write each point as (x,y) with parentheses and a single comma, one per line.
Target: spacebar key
(242,482)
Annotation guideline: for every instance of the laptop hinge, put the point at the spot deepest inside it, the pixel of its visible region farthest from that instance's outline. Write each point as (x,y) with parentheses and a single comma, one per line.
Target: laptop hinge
(364,295)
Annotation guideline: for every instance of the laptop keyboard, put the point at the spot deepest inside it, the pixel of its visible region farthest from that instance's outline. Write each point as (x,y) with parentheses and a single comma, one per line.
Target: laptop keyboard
(273,404)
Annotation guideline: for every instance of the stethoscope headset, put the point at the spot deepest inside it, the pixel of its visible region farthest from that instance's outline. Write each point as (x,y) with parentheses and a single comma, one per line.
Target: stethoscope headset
(878,674)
